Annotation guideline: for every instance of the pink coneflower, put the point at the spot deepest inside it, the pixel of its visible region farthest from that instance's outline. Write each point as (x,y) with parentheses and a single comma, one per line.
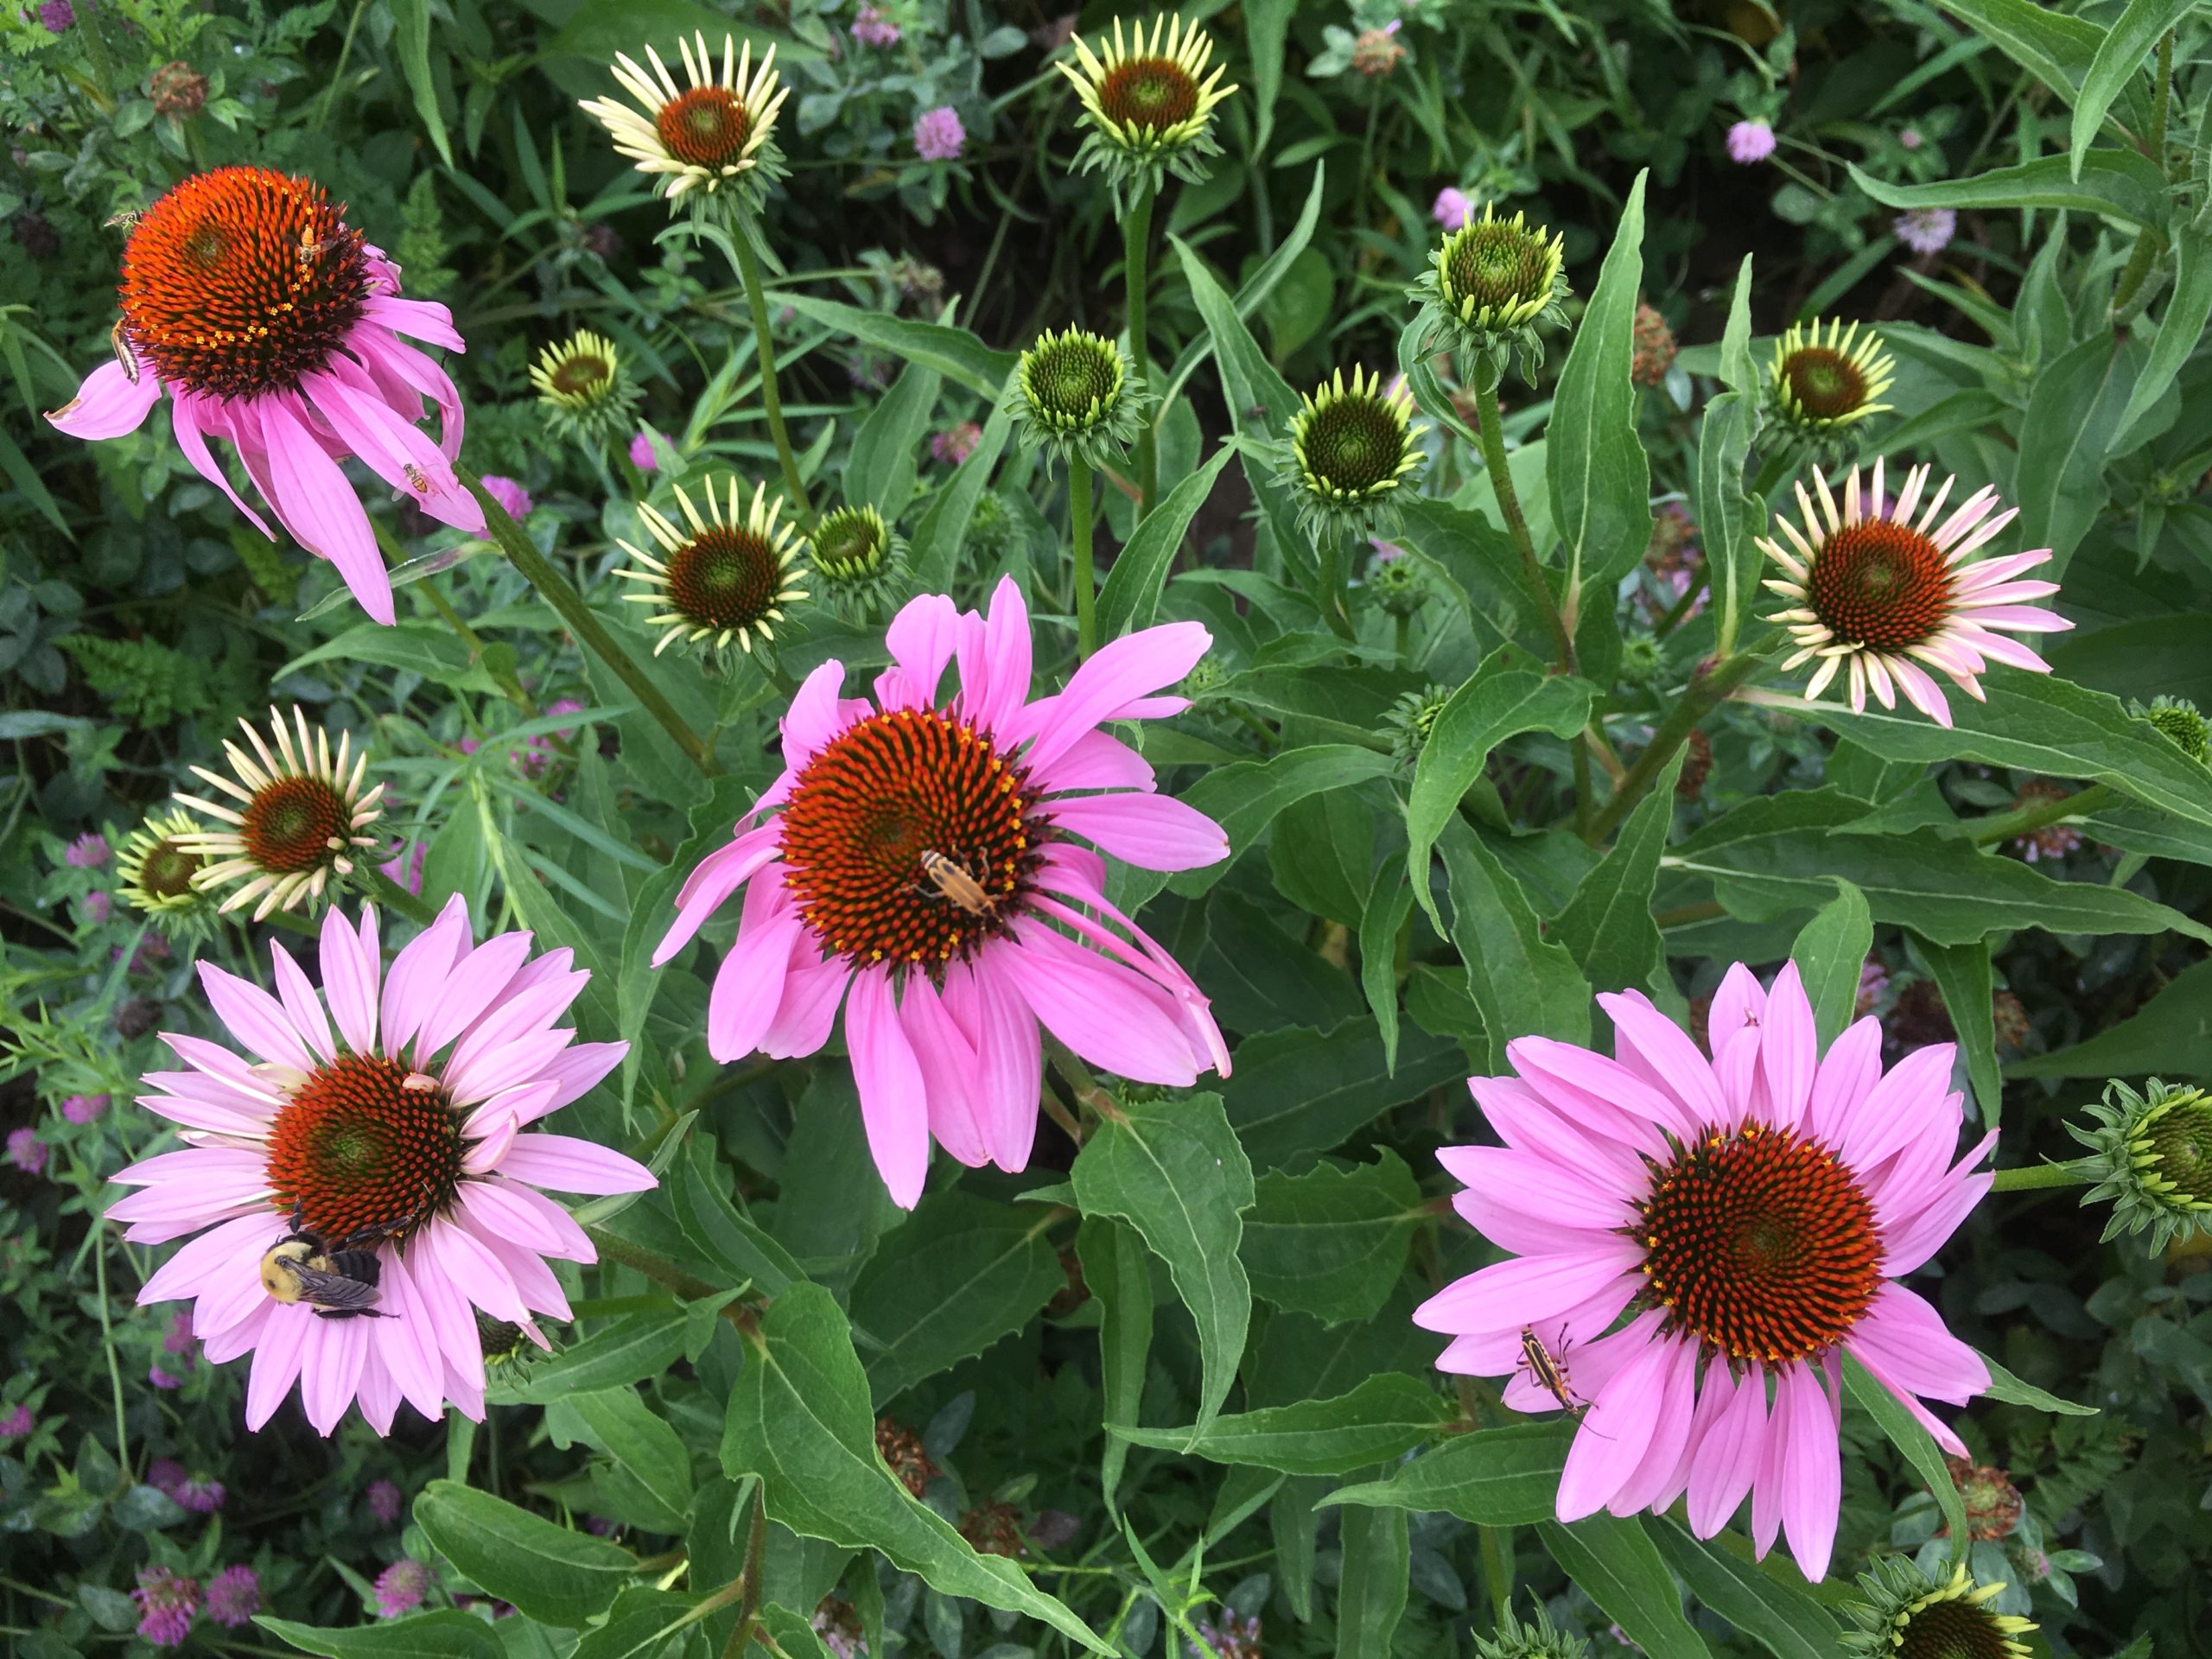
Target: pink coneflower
(17,1423)
(919,854)
(513,499)
(1750,142)
(939,135)
(167,1602)
(400,1135)
(1753,1212)
(1884,596)
(1451,208)
(873,27)
(87,852)
(85,1108)
(27,1152)
(273,326)
(400,1588)
(956,443)
(234,1597)
(1926,230)
(641,454)
(384,1499)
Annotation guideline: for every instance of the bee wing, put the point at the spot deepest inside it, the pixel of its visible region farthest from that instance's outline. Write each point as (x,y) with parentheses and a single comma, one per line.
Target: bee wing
(334,1290)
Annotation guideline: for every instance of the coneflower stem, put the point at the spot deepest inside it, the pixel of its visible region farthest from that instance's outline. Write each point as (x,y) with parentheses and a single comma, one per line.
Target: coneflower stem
(1079,528)
(388,893)
(756,297)
(1329,588)
(584,623)
(1771,472)
(1492,426)
(2147,249)
(1708,689)
(1136,238)
(2031,1178)
(2026,820)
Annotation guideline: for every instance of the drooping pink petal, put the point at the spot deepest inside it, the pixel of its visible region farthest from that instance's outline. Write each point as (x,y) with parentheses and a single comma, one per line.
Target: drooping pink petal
(947,1059)
(568,1164)
(1615,1432)
(109,403)
(1154,832)
(749,987)
(894,1104)
(1507,1295)
(1106,1014)
(1122,671)
(1812,1470)
(1729,1459)
(315,502)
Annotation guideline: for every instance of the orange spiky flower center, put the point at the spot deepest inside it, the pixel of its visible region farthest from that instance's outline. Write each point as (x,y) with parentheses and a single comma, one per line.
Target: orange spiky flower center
(706,126)
(296,823)
(1880,583)
(356,1150)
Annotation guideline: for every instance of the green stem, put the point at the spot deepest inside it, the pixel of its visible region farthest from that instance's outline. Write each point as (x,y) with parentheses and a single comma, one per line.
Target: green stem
(388,893)
(1329,590)
(2034,1176)
(1136,238)
(2025,820)
(1771,472)
(584,623)
(1706,692)
(1079,535)
(756,297)
(1681,607)
(1517,525)
(114,1372)
(1401,636)
(2149,242)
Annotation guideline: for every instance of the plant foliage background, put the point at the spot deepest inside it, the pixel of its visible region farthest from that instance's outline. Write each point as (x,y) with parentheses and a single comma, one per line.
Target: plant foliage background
(1172,1372)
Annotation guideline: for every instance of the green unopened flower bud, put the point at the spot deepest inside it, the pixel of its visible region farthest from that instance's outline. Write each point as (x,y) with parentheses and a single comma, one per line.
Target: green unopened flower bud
(1399,585)
(1351,446)
(858,562)
(505,1345)
(1408,722)
(2181,723)
(585,392)
(1642,661)
(1820,385)
(1073,394)
(155,868)
(2151,1156)
(1538,1638)
(1906,1614)
(1204,679)
(1491,287)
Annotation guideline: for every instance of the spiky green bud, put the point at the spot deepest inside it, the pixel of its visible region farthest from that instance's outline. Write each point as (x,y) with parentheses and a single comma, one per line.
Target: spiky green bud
(2151,1156)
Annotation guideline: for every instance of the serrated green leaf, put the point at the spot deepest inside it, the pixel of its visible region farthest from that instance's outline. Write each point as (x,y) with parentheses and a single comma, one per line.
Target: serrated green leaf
(1962,975)
(555,1575)
(698,1189)
(799,1419)
(2133,37)
(1523,983)
(1778,1615)
(2113,183)
(1906,1434)
(1372,1585)
(1831,954)
(1173,1170)
(1383,1417)
(1130,596)
(1119,1274)
(1506,696)
(1600,479)
(1607,926)
(2171,1036)
(447,1634)
(959,1276)
(1333,1242)
(634,1348)
(1495,1477)
(1615,1563)
(1299,1091)
(1479,557)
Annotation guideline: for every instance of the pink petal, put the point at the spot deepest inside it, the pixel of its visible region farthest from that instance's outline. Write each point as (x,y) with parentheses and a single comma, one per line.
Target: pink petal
(472,985)
(1677,1388)
(1657,1050)
(277,1360)
(191,1270)
(1010,1060)
(1812,1470)
(994,660)
(1908,1339)
(191,418)
(749,987)
(422,319)
(330,1369)
(812,719)
(716,876)
(1150,831)
(489,1212)
(1535,1185)
(109,402)
(947,1060)
(566,1164)
(894,1105)
(351,968)
(1106,1014)
(255,1018)
(301,1005)
(1100,760)
(1852,1066)
(1121,673)
(1724,1464)
(1615,1432)
(418,974)
(1906,1103)
(1788,1050)
(811,993)
(921,640)
(1738,1002)
(315,502)
(1507,1295)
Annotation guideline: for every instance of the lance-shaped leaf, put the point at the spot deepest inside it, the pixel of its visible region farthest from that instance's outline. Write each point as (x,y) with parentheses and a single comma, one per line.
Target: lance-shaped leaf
(1119,1275)
(1371,1588)
(1333,1242)
(1523,983)
(1778,1614)
(555,1575)
(1831,954)
(2114,183)
(1495,1477)
(1383,1417)
(1615,1563)
(1607,926)
(1727,518)
(1600,479)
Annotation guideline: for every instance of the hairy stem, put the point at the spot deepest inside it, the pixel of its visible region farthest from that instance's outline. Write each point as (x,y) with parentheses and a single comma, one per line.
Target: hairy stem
(1079,534)
(2026,820)
(1707,691)
(388,893)
(756,297)
(2150,242)
(1136,235)
(2031,1178)
(1517,524)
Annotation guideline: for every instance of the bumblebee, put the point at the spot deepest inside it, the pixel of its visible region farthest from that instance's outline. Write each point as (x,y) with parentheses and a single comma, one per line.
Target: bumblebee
(338,1283)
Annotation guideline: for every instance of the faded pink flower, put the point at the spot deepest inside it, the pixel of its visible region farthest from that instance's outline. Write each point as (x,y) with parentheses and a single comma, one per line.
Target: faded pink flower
(167,1602)
(956,443)
(295,385)
(405,866)
(1750,142)
(873,27)
(85,1108)
(27,1152)
(943,999)
(17,1423)
(939,135)
(95,908)
(513,499)
(1754,1212)
(641,454)
(403,1132)
(1451,208)
(1926,230)
(385,1500)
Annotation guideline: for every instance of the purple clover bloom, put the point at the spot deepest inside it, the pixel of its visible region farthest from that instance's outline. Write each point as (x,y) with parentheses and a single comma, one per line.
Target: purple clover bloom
(1926,230)
(1750,143)
(641,454)
(939,135)
(27,1152)
(873,27)
(85,1108)
(385,1500)
(167,1602)
(234,1597)
(1451,208)
(87,852)
(400,1588)
(510,495)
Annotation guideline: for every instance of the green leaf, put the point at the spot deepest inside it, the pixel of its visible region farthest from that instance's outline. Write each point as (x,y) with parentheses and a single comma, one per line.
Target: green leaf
(1173,1170)
(1963,976)
(698,1189)
(1383,1419)
(881,469)
(1130,598)
(444,1635)
(939,347)
(1523,983)
(1781,1618)
(1244,798)
(1479,557)
(639,1627)
(1119,1274)
(1504,696)
(643,1446)
(1267,27)
(1615,1563)
(959,1275)
(1390,902)
(1906,1434)
(557,1576)
(1773,855)
(2065,435)
(2113,183)
(1830,954)
(2131,38)
(794,1633)
(2170,1036)
(417,648)
(1371,1590)
(1299,1091)
(634,1348)
(1727,518)
(2004,1386)
(2179,333)
(2054,47)
(1321,855)
(1333,1242)
(411,32)
(1607,927)
(1600,479)
(799,1419)
(1253,291)
(1495,1477)
(2036,722)
(937,539)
